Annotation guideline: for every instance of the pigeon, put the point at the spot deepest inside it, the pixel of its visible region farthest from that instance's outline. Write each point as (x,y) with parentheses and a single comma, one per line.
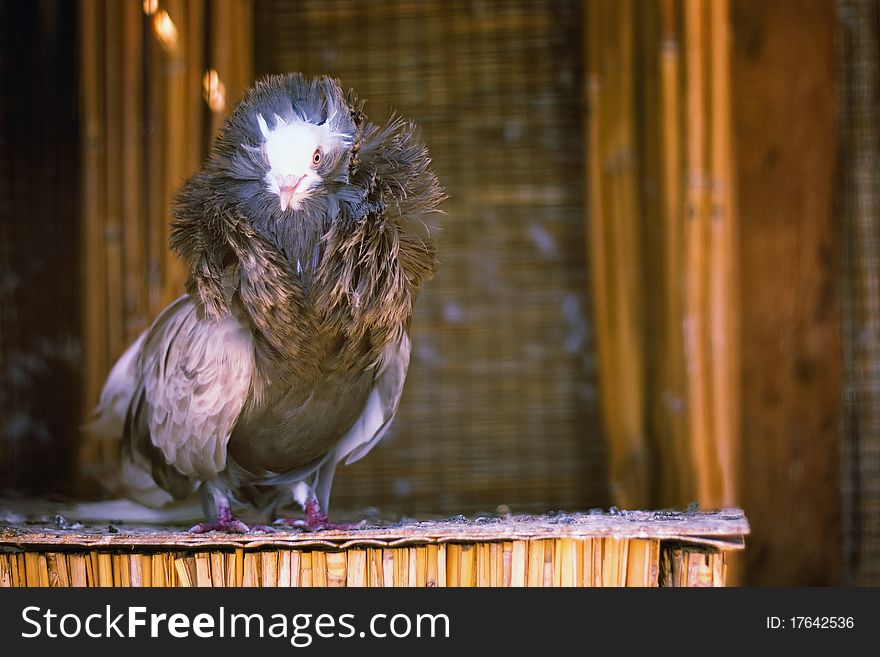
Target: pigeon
(305,239)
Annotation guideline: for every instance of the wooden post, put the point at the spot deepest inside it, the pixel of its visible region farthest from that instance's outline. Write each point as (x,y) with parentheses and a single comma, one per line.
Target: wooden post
(723,289)
(614,247)
(789,241)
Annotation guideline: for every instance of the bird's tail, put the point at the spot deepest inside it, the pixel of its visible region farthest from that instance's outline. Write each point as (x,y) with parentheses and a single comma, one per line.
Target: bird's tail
(187,511)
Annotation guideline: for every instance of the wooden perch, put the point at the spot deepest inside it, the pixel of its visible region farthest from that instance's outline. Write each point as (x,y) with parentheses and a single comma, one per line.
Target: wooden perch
(624,548)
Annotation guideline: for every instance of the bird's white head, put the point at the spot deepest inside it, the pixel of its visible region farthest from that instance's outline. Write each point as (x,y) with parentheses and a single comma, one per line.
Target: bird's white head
(295,152)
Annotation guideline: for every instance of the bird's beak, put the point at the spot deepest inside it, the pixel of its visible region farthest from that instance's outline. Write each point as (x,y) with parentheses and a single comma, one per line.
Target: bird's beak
(287,187)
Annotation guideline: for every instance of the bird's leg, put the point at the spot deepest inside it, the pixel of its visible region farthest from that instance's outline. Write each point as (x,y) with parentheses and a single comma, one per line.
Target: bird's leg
(218,509)
(315,519)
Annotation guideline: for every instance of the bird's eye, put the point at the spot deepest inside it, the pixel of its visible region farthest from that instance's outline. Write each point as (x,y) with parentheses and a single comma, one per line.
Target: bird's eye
(316,157)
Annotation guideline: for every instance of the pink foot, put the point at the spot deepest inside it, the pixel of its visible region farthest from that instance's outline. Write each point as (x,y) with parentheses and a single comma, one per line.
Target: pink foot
(316,520)
(225,522)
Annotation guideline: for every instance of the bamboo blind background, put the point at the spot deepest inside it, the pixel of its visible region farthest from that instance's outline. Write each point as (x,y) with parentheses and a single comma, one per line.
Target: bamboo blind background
(860,208)
(500,401)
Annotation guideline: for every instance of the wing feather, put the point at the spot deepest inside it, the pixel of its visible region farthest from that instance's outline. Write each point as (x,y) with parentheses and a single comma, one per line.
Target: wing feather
(196,377)
(381,405)
(373,422)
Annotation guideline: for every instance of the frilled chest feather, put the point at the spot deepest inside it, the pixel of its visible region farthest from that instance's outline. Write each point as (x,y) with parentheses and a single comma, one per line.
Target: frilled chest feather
(318,212)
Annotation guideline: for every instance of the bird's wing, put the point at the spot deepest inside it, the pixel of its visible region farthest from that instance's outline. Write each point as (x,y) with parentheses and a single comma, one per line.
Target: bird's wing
(381,404)
(374,420)
(196,378)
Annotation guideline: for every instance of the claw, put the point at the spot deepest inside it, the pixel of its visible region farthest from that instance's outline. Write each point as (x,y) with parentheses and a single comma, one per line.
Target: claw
(215,497)
(231,526)
(316,519)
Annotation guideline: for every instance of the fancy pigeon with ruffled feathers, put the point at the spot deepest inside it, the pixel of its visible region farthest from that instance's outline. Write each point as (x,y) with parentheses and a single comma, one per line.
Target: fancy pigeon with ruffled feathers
(305,243)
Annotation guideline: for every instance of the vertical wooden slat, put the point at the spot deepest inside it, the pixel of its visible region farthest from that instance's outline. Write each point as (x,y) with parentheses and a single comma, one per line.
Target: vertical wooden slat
(136,570)
(642,562)
(467,565)
(58,572)
(336,568)
(104,569)
(136,316)
(243,38)
(432,565)
(319,568)
(697,350)
(419,577)
(186,576)
(610,561)
(377,571)
(113,175)
(203,570)
(234,568)
(580,562)
(388,568)
(587,547)
(95,358)
(154,180)
(19,570)
(442,573)
(78,574)
(157,576)
(720,575)
(535,572)
(5,570)
(723,292)
(284,572)
(453,565)
(269,568)
(496,551)
(147,569)
(614,246)
(196,138)
(218,569)
(647,158)
(252,567)
(548,579)
(231,52)
(519,564)
(401,567)
(629,328)
(597,256)
(305,577)
(677,484)
(174,147)
(121,570)
(222,59)
(295,567)
(482,564)
(356,572)
(32,569)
